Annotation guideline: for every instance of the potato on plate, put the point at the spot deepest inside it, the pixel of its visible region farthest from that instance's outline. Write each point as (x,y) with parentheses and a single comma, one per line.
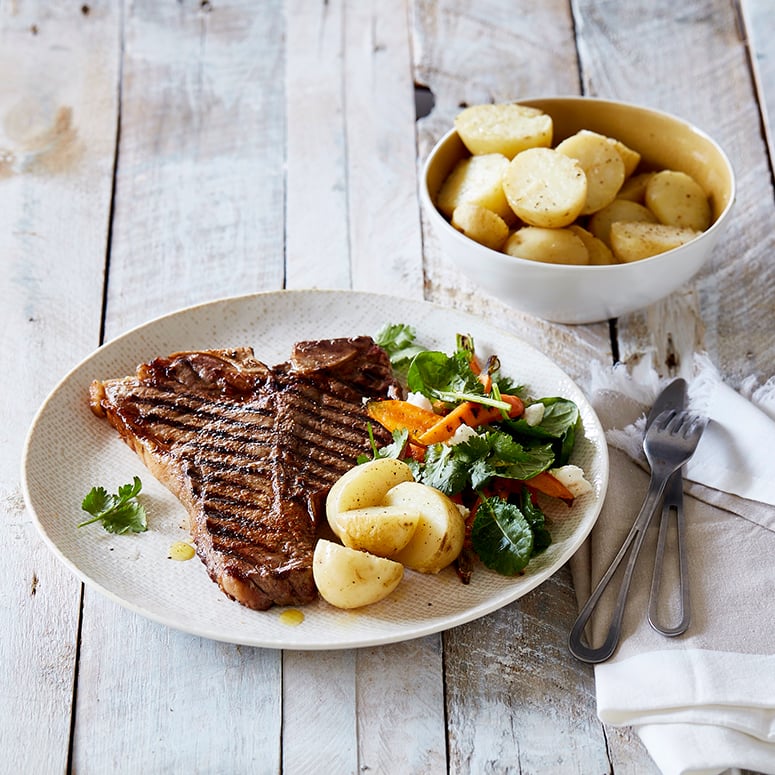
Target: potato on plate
(545,187)
(480,224)
(362,486)
(503,128)
(476,180)
(552,246)
(632,241)
(438,538)
(602,163)
(678,200)
(348,578)
(380,530)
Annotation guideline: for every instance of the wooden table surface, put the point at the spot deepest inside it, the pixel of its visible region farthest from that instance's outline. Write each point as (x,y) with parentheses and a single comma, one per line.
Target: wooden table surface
(156,154)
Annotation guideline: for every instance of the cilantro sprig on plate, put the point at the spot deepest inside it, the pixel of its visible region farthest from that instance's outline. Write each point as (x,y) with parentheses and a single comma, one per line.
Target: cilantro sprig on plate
(120,513)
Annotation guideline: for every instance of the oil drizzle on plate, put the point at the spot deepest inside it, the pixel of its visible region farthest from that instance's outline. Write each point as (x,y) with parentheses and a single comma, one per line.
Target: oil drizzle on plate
(292,617)
(181,551)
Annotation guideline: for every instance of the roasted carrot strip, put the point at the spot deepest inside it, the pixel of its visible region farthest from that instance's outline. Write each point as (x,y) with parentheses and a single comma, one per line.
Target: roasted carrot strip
(394,414)
(549,485)
(468,413)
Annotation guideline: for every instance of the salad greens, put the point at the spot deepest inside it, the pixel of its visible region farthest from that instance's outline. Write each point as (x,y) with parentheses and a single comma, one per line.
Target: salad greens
(120,513)
(488,471)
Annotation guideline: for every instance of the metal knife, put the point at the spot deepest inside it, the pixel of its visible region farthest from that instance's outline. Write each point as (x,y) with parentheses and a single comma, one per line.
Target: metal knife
(672,397)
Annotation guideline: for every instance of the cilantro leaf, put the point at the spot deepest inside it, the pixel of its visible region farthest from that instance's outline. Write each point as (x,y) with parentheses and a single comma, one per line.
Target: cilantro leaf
(398,341)
(501,536)
(120,513)
(446,468)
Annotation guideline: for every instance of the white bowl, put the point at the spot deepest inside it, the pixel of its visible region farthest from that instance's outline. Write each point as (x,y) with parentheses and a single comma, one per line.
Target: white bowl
(564,293)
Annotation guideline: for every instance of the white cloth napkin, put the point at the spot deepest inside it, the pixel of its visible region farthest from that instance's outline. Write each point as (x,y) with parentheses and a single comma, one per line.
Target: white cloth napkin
(705,701)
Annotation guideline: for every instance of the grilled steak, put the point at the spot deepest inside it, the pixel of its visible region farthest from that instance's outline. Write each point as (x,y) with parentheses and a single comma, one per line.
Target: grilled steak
(251,451)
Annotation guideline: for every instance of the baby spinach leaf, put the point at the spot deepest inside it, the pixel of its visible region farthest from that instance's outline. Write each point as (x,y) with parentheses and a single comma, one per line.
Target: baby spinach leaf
(502,537)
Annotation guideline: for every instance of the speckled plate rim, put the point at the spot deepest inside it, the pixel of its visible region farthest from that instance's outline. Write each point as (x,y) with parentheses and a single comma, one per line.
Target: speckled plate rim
(68,450)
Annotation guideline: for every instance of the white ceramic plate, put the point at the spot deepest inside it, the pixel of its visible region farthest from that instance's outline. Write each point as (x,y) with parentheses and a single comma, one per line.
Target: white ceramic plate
(69,450)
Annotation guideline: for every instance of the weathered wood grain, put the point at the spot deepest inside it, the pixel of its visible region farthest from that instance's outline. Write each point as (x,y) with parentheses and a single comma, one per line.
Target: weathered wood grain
(199,195)
(57,128)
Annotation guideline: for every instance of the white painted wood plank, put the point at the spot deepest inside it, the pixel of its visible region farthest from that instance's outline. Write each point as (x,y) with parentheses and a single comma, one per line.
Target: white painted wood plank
(198,214)
(319,718)
(200,187)
(758,20)
(317,249)
(400,702)
(384,221)
(57,128)
(517,702)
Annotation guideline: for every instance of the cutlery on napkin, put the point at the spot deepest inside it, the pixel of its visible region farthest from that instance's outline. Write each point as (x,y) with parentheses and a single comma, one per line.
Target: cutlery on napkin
(705,701)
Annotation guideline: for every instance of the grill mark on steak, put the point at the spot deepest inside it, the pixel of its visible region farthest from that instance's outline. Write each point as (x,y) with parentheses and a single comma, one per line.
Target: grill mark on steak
(251,450)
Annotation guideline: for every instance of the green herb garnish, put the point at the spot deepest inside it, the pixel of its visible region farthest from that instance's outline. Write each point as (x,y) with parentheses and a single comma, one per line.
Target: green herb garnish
(120,513)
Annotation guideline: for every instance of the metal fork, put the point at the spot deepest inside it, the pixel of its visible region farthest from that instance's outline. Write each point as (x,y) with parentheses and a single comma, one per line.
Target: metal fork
(669,443)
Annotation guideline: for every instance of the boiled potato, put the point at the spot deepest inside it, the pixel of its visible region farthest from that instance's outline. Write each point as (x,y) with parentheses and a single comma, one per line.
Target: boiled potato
(602,164)
(678,200)
(438,539)
(380,530)
(630,157)
(480,224)
(632,241)
(362,486)
(619,210)
(599,253)
(348,578)
(634,188)
(545,188)
(503,128)
(478,180)
(552,246)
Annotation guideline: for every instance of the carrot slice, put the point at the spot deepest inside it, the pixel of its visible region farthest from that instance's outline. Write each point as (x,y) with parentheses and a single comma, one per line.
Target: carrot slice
(394,414)
(468,413)
(549,485)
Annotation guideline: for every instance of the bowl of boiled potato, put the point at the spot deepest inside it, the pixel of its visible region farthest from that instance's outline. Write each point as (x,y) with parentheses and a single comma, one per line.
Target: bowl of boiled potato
(576,209)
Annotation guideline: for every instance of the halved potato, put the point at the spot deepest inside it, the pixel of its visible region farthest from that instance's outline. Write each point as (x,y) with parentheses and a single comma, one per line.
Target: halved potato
(362,486)
(602,164)
(477,180)
(438,538)
(503,128)
(347,578)
(677,199)
(480,224)
(632,241)
(619,210)
(545,188)
(599,253)
(630,157)
(634,188)
(380,530)
(552,246)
